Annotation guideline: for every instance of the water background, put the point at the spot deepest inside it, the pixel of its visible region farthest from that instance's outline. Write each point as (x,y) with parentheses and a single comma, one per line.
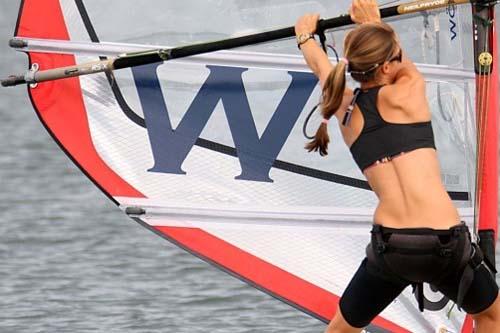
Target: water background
(70,261)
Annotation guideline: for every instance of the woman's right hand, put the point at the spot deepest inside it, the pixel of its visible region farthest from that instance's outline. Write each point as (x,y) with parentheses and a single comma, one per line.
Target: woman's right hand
(364,11)
(307,24)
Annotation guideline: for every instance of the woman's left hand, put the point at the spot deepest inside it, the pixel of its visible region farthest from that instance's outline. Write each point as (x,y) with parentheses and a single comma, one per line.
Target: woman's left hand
(307,24)
(364,11)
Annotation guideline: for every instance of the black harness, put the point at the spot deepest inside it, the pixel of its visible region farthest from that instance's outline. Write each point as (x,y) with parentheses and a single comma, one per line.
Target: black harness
(423,255)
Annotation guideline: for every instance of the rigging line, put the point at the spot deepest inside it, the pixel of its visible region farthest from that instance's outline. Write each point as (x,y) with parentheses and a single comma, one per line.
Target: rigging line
(424,36)
(484,110)
(482,104)
(437,30)
(479,125)
(479,119)
(427,36)
(484,121)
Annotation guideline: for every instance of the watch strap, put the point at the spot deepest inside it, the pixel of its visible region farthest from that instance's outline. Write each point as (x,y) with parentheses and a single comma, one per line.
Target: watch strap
(303,38)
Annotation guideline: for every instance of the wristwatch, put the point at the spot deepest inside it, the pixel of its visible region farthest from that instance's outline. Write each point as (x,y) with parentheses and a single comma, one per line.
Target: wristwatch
(302,38)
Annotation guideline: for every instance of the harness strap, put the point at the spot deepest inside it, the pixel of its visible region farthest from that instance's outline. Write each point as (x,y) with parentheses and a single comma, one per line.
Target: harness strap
(379,247)
(438,250)
(350,108)
(455,231)
(386,247)
(487,245)
(418,290)
(475,261)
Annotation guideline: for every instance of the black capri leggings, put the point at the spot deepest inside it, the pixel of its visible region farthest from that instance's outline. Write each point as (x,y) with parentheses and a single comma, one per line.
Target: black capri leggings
(367,295)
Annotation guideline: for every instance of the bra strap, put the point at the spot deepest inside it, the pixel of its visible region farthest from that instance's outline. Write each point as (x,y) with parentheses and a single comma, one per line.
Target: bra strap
(350,108)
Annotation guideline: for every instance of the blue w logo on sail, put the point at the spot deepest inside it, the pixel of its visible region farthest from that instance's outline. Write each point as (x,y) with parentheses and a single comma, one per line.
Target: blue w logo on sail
(451,11)
(170,147)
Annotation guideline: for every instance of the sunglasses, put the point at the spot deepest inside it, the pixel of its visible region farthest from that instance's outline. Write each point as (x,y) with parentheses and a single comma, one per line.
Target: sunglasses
(398,57)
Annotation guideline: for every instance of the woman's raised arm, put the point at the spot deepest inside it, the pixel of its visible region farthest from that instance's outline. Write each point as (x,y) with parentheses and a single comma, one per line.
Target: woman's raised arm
(315,57)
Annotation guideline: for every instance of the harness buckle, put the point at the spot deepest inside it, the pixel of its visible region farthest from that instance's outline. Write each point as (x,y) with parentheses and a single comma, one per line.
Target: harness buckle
(445,252)
(381,248)
(476,258)
(456,232)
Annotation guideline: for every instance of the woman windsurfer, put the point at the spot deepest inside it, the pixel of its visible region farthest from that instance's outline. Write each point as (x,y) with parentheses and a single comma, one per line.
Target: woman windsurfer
(417,234)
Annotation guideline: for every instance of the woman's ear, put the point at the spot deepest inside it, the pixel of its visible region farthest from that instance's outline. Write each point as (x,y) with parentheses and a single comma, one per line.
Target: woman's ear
(385,68)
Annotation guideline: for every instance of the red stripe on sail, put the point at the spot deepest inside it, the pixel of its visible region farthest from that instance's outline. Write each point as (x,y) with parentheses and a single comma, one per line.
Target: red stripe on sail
(273,279)
(468,325)
(487,150)
(60,104)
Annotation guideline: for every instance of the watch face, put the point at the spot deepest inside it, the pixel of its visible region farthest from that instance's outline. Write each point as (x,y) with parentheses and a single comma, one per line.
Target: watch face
(302,38)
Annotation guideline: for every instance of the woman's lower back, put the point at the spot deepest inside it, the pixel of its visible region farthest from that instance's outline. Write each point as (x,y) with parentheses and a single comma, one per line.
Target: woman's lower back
(411,192)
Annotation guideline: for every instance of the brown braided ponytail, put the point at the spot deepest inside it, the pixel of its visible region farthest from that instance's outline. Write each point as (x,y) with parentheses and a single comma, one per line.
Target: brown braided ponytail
(366,47)
(333,91)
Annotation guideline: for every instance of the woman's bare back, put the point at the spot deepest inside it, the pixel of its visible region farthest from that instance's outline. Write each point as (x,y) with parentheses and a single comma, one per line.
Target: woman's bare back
(409,187)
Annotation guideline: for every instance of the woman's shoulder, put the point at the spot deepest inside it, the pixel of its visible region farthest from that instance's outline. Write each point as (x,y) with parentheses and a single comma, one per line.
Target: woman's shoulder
(409,84)
(406,96)
(408,75)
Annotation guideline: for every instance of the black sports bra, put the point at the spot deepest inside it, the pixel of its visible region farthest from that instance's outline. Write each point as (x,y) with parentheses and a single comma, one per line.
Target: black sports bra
(379,140)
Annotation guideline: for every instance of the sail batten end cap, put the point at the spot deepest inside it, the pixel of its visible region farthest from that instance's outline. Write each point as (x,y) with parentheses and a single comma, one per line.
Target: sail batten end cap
(135,211)
(16,43)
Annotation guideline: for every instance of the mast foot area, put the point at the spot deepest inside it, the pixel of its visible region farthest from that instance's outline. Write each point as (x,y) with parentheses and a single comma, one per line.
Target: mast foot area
(13,80)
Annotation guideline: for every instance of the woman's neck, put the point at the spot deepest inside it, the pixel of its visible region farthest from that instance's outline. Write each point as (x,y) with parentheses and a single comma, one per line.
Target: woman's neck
(374,83)
(368,85)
